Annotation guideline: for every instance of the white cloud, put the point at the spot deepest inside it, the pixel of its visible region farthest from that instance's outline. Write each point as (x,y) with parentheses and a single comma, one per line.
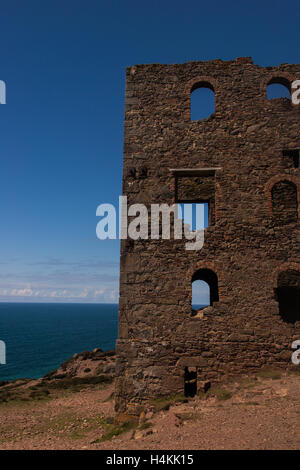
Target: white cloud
(58,280)
(26,292)
(99,292)
(72,293)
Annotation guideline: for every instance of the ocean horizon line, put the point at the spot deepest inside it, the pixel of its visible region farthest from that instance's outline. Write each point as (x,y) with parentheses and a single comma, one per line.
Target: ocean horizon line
(41,336)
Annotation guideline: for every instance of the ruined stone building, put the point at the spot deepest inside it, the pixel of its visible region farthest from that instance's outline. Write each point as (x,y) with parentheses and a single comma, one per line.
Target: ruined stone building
(244,162)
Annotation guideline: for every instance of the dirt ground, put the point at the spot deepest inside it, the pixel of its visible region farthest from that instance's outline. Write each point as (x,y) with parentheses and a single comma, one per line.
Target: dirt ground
(252,412)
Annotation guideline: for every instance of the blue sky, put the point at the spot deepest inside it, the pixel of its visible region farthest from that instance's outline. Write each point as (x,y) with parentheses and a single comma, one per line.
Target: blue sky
(62,127)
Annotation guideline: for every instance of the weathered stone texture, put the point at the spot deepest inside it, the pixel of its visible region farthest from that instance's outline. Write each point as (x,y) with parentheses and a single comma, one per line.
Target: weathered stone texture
(284,202)
(253,236)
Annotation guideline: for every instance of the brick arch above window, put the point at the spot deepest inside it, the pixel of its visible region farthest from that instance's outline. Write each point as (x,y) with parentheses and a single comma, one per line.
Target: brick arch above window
(287,266)
(200,81)
(281,78)
(202,265)
(212,267)
(277,179)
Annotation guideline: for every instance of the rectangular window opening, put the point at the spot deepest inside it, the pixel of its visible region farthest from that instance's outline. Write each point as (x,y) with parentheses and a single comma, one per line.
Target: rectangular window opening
(291,157)
(195,214)
(195,193)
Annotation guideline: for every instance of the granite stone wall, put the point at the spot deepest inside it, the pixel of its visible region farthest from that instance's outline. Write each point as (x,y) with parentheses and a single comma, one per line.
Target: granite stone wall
(246,147)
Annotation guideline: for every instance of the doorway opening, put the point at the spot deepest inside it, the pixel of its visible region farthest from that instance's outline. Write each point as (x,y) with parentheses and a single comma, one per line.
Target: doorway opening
(190,381)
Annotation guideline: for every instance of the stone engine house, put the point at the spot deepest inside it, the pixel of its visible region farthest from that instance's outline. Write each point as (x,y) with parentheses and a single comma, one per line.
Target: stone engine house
(243,161)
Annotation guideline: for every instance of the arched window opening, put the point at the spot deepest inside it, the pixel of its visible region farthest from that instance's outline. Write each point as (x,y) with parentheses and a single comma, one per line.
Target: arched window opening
(204,289)
(200,295)
(278,88)
(287,295)
(202,101)
(284,202)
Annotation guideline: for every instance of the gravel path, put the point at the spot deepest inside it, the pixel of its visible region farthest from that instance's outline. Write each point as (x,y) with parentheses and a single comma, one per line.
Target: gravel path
(258,413)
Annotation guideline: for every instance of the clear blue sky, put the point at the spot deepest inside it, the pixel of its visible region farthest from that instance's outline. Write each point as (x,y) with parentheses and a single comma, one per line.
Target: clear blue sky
(61,129)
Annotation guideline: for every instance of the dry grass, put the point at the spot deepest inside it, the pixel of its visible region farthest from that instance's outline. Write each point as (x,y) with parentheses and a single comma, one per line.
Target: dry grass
(269,374)
(166,401)
(220,393)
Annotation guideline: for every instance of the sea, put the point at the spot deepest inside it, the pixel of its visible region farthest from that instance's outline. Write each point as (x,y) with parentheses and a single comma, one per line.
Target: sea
(40,336)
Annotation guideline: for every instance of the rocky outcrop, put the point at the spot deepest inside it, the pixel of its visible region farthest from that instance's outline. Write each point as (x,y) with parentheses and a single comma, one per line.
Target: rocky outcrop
(93,363)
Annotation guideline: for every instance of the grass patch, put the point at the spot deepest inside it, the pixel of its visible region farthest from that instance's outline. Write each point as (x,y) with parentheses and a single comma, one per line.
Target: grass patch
(68,425)
(166,401)
(16,383)
(188,417)
(39,394)
(45,389)
(114,430)
(246,383)
(269,374)
(76,435)
(23,397)
(145,425)
(220,393)
(77,383)
(294,371)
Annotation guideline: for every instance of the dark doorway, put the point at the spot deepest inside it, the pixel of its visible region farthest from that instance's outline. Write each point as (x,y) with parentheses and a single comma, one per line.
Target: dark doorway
(190,381)
(288,295)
